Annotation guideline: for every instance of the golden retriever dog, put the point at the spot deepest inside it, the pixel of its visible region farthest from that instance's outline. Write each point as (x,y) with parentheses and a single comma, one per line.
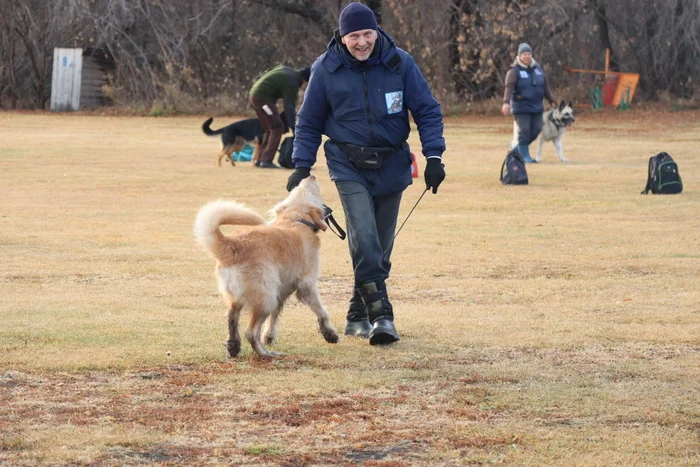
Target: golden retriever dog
(260,266)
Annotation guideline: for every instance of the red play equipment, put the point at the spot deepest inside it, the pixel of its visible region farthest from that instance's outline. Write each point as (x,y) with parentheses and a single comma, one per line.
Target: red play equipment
(618,88)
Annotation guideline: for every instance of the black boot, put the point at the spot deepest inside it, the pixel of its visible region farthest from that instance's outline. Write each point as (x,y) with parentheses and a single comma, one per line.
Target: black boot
(357,323)
(379,312)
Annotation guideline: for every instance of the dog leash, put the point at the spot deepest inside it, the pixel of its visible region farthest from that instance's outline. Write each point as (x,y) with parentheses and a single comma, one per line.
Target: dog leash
(328,216)
(405,220)
(340,232)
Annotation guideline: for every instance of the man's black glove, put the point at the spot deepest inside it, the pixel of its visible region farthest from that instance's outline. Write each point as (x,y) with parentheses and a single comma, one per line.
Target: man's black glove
(434,173)
(299,174)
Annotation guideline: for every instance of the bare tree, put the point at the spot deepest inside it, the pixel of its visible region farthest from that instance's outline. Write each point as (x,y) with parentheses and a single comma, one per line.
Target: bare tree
(192,55)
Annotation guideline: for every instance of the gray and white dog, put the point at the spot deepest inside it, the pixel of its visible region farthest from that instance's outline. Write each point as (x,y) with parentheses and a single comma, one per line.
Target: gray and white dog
(556,121)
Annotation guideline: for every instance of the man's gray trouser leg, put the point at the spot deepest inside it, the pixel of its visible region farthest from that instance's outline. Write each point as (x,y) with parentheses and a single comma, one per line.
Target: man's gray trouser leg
(371,223)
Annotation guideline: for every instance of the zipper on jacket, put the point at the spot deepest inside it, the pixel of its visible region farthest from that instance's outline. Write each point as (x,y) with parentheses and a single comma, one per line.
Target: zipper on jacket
(369,114)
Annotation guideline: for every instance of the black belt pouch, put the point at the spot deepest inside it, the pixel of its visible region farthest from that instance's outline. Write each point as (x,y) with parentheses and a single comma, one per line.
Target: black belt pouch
(367,157)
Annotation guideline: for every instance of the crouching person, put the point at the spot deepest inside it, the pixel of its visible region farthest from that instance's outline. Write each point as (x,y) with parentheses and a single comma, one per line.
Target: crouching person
(359,95)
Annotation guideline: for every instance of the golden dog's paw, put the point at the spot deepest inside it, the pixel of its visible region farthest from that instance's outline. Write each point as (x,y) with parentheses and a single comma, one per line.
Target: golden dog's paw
(330,335)
(233,347)
(268,355)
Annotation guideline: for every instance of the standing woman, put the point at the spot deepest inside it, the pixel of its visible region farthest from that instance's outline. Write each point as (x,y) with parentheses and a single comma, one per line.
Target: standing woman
(526,86)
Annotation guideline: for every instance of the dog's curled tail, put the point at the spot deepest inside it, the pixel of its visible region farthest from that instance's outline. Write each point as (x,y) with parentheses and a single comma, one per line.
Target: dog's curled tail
(207,129)
(221,212)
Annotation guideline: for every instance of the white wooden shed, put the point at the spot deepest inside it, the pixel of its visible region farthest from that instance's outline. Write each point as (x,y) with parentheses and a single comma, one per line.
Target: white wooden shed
(78,77)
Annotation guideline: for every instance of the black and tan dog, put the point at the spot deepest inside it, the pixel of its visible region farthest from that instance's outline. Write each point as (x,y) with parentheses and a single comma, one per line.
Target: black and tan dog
(237,134)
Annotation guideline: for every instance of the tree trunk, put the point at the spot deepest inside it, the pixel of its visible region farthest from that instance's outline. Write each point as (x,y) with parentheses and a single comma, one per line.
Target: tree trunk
(376,7)
(462,59)
(604,32)
(682,84)
(647,80)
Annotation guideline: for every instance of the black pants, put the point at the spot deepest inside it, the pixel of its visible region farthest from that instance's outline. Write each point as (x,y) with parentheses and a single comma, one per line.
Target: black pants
(529,127)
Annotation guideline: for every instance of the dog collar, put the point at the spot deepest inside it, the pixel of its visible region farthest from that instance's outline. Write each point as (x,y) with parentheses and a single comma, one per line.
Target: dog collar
(340,233)
(310,224)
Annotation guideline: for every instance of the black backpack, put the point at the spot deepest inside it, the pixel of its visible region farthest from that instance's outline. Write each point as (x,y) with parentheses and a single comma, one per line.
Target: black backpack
(285,157)
(663,177)
(513,170)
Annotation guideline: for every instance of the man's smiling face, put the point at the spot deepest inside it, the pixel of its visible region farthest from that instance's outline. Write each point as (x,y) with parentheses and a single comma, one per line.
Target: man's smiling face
(360,43)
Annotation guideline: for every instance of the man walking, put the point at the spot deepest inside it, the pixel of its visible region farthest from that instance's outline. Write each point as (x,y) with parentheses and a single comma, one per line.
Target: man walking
(359,95)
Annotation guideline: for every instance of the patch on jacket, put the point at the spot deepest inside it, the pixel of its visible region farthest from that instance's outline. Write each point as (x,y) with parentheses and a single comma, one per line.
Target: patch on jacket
(394,102)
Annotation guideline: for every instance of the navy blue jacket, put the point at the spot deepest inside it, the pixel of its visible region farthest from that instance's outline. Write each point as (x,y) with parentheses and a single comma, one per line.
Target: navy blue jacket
(529,90)
(367,103)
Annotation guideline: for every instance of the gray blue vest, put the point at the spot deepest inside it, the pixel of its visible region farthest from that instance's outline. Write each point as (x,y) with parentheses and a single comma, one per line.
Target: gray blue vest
(529,90)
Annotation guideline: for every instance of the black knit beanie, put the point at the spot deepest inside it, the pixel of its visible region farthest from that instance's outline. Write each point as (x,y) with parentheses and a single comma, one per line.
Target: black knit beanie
(356,17)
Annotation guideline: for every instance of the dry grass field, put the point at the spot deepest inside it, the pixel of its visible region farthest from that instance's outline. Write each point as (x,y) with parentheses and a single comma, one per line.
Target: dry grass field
(550,324)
